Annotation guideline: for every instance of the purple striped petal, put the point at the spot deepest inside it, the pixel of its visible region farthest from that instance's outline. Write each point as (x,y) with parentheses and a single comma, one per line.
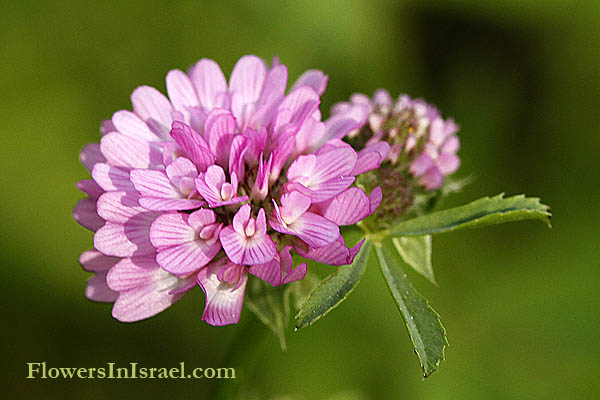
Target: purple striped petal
(107,127)
(188,257)
(111,178)
(323,191)
(171,230)
(97,289)
(86,215)
(347,208)
(209,82)
(335,253)
(181,91)
(312,228)
(154,108)
(239,149)
(247,78)
(219,130)
(158,204)
(91,155)
(151,183)
(246,248)
(180,249)
(90,187)
(124,151)
(129,124)
(279,270)
(128,239)
(94,261)
(314,78)
(118,207)
(224,302)
(193,145)
(371,157)
(144,288)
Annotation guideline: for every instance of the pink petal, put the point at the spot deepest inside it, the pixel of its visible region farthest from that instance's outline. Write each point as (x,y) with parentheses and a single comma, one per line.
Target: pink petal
(322,191)
(181,168)
(448,163)
(279,270)
(97,289)
(314,78)
(310,135)
(371,157)
(297,274)
(281,155)
(187,257)
(150,183)
(302,103)
(90,155)
(171,230)
(131,125)
(339,125)
(382,97)
(433,178)
(107,127)
(261,223)
(314,229)
(336,253)
(128,239)
(90,187)
(269,272)
(86,215)
(201,218)
(270,97)
(240,218)
(209,82)
(144,288)
(334,164)
(239,148)
(293,204)
(192,144)
(240,250)
(94,261)
(224,302)
(181,91)
(375,199)
(421,165)
(247,78)
(118,207)
(111,240)
(158,204)
(132,272)
(154,108)
(124,151)
(451,145)
(219,130)
(347,208)
(111,178)
(180,249)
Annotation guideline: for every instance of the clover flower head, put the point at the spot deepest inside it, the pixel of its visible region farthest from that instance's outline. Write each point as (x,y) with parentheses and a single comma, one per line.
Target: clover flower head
(217,181)
(421,141)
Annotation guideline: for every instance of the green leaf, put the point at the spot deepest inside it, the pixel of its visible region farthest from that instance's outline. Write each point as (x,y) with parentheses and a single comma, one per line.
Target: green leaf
(271,305)
(424,326)
(483,212)
(416,252)
(334,289)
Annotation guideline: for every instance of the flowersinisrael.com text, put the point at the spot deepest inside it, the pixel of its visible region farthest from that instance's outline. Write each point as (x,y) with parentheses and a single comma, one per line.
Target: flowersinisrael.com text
(40,370)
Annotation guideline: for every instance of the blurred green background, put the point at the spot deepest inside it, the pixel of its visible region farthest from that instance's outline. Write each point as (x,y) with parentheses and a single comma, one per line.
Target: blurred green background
(520,302)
